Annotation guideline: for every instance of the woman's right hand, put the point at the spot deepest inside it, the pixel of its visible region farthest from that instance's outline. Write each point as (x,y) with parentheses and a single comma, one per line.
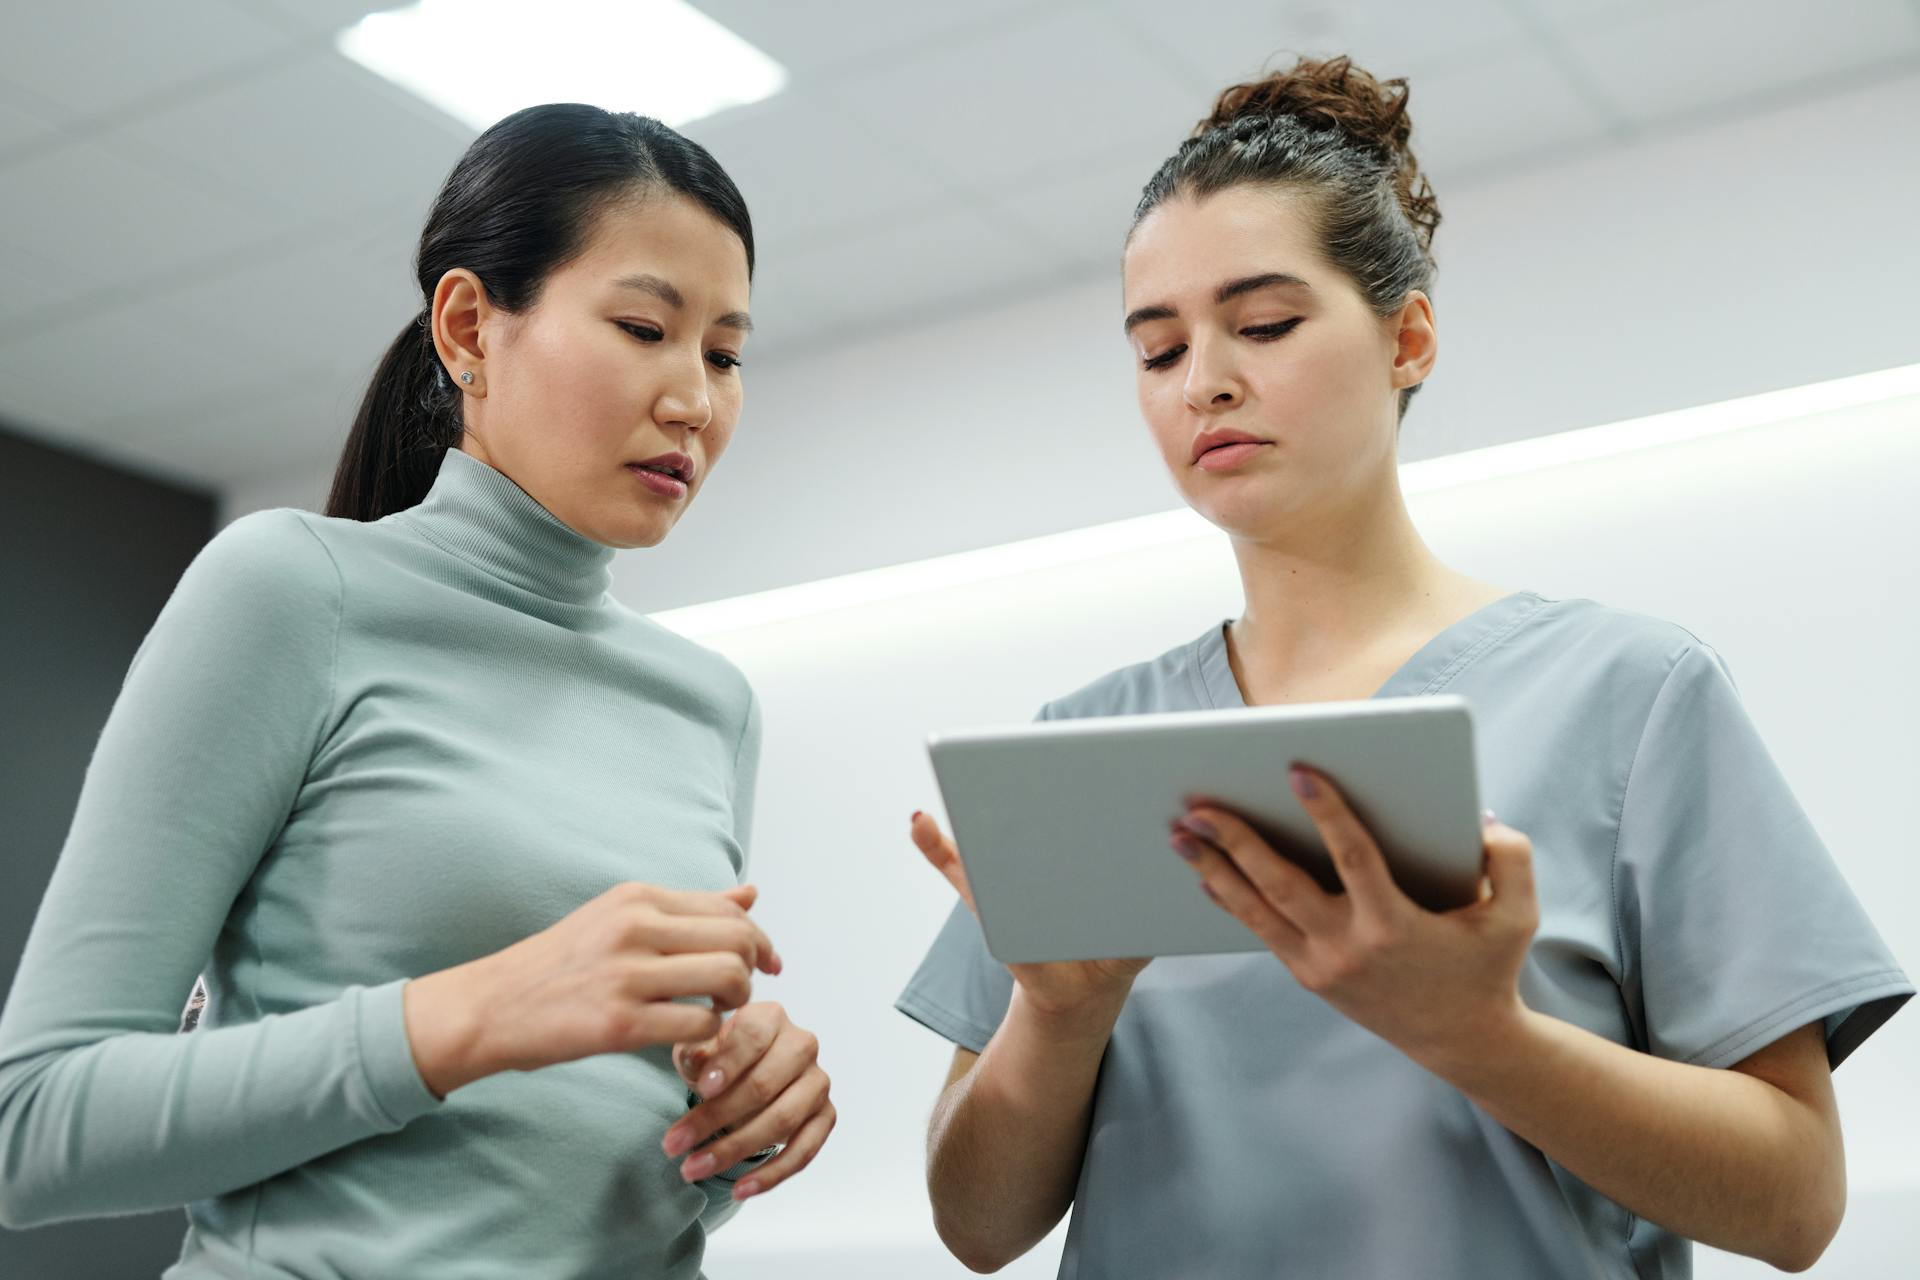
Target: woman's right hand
(602,980)
(1060,988)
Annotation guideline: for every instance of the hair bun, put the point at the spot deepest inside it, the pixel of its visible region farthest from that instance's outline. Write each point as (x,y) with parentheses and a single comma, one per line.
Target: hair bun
(1333,94)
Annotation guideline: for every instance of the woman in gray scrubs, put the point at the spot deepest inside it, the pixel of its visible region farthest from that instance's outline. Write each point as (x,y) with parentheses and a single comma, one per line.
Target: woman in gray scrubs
(1625,1045)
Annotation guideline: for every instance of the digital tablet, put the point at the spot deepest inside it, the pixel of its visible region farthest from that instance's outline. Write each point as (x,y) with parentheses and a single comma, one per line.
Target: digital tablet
(1063,825)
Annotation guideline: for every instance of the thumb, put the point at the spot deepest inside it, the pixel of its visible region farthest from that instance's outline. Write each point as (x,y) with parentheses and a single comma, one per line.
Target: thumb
(941,853)
(1509,865)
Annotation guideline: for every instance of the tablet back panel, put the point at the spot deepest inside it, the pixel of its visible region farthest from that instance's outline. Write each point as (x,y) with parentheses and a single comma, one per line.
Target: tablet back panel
(1063,826)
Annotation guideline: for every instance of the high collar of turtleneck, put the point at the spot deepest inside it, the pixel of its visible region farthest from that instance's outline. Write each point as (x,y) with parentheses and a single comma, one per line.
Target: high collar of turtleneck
(478,514)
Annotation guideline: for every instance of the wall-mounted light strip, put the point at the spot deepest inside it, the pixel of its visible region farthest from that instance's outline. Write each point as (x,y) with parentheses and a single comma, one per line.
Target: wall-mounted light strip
(1537,454)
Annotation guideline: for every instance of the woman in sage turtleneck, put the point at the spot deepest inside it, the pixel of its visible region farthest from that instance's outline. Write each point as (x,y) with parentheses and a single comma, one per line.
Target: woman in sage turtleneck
(455,839)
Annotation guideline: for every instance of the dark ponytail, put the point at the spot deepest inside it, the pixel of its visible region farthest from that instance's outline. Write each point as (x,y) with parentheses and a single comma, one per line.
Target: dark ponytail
(519,205)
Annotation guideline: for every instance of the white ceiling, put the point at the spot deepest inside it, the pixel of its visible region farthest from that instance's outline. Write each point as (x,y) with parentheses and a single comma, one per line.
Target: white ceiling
(206,215)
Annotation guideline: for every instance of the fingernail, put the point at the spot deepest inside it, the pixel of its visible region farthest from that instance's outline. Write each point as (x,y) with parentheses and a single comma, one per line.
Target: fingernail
(711,1082)
(1186,848)
(697,1167)
(1303,784)
(1200,827)
(679,1138)
(1486,818)
(745,1189)
(915,818)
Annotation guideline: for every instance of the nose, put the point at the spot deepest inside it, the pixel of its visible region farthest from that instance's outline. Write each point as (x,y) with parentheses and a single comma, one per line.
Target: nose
(682,400)
(1213,384)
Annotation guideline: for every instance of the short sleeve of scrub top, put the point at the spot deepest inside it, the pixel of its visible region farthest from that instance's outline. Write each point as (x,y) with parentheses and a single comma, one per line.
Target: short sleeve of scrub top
(1688,910)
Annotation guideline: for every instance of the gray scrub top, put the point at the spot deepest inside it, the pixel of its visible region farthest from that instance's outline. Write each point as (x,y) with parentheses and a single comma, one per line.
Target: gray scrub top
(1243,1128)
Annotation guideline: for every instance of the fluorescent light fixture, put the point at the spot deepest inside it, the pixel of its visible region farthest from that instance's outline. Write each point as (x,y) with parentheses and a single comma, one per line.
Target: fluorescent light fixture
(1451,471)
(480,60)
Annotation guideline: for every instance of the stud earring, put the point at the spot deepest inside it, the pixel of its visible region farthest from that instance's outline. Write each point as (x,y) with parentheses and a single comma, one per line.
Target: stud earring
(467,377)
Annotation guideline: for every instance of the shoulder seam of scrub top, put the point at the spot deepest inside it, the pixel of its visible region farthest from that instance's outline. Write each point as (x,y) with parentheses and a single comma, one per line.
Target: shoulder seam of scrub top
(1473,652)
(1620,818)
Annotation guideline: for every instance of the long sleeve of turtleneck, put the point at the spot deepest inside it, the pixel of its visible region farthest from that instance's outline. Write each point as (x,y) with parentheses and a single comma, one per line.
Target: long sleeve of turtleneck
(346,755)
(104,1107)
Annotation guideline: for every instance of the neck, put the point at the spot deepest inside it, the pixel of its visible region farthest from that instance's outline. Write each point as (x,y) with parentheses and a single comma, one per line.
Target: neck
(1336,585)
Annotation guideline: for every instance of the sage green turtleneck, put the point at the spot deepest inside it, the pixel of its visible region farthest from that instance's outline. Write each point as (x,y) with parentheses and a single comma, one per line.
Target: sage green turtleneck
(345,755)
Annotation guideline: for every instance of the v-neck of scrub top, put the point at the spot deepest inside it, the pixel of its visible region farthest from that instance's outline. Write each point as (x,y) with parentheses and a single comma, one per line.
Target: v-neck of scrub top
(1431,668)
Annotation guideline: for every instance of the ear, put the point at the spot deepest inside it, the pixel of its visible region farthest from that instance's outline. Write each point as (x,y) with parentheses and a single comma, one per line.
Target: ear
(1415,344)
(461,316)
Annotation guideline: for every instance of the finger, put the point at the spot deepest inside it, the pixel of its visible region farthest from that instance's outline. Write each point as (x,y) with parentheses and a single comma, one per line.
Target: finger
(1286,886)
(789,1058)
(744,1041)
(744,894)
(778,1121)
(673,934)
(660,1022)
(1510,868)
(721,975)
(1356,857)
(1222,881)
(942,853)
(797,1155)
(690,1057)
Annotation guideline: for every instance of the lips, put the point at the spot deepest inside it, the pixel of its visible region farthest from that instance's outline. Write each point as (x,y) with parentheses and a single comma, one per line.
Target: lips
(1209,441)
(677,465)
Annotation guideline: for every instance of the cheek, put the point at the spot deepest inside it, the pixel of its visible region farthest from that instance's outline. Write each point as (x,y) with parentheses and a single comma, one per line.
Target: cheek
(1163,409)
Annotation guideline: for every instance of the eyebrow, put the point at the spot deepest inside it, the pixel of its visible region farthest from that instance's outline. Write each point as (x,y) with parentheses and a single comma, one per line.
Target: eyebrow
(665,291)
(1225,293)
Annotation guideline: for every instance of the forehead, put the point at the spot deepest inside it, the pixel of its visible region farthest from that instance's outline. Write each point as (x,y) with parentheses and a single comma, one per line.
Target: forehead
(668,235)
(1188,246)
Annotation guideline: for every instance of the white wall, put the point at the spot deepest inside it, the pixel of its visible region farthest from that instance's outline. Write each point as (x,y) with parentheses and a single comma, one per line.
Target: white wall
(1788,547)
(1733,256)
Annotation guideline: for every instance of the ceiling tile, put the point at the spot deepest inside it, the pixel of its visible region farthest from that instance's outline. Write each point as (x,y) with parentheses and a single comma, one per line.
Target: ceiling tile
(34,283)
(795,35)
(1082,214)
(808,168)
(1670,61)
(253,427)
(1494,107)
(916,267)
(321,16)
(1038,97)
(153,351)
(317,138)
(104,220)
(1241,39)
(89,57)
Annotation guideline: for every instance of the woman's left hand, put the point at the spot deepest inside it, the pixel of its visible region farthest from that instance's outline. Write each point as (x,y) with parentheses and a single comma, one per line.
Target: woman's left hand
(1435,984)
(761,1085)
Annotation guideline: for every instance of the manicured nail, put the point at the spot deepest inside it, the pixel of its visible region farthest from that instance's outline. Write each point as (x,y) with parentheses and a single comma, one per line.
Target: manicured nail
(679,1138)
(697,1167)
(1303,784)
(915,818)
(745,1189)
(1200,827)
(711,1082)
(1186,848)
(1486,818)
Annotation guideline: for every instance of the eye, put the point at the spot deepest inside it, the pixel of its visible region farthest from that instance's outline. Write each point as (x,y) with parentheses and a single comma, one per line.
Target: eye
(1165,358)
(722,360)
(644,332)
(1268,332)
